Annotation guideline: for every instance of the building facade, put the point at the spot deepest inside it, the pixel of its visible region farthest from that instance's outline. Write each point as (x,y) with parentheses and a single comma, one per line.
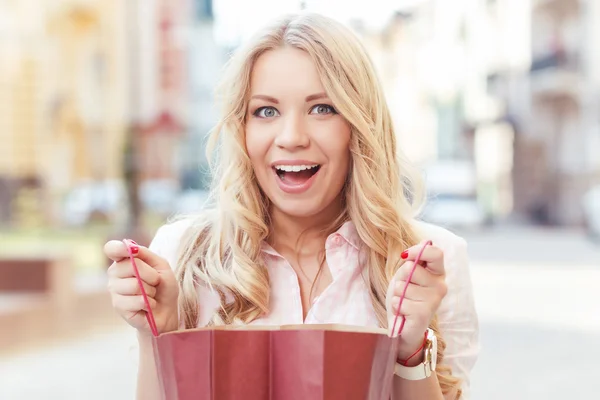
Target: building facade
(557,147)
(63,95)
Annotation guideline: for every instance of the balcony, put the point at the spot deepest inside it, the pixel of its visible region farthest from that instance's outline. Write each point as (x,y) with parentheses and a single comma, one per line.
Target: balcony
(555,75)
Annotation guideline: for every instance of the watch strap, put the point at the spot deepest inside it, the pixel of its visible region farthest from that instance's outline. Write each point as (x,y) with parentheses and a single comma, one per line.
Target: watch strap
(424,369)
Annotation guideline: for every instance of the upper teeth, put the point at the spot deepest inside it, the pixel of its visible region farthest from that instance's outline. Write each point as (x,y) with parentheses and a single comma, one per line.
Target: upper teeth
(295,168)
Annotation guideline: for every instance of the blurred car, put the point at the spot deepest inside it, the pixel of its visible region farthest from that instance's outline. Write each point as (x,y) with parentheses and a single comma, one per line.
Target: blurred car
(452,195)
(455,211)
(591,211)
(89,199)
(191,201)
(108,200)
(158,195)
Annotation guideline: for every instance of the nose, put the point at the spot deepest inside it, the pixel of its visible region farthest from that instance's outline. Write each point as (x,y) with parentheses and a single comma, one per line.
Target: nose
(293,134)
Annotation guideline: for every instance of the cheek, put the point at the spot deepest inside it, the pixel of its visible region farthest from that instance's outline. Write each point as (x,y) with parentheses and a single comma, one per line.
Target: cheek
(255,147)
(344,167)
(339,151)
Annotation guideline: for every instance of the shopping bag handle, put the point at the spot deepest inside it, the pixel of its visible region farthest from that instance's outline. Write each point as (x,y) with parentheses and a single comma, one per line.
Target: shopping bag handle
(412,271)
(152,323)
(149,314)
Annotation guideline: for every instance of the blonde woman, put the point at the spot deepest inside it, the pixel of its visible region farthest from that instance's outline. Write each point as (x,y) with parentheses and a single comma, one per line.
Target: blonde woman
(311,220)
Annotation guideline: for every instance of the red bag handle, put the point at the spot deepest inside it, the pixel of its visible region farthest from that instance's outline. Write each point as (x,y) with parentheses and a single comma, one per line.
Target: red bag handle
(149,314)
(412,271)
(152,323)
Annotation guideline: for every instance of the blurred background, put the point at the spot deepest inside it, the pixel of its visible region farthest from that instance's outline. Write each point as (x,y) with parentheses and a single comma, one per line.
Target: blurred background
(104,108)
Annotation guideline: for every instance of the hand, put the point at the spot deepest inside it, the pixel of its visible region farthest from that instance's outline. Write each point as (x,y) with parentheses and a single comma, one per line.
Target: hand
(159,283)
(423,296)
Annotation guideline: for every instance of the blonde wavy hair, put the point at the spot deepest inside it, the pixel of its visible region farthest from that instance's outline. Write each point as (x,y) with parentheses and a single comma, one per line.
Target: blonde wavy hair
(382,195)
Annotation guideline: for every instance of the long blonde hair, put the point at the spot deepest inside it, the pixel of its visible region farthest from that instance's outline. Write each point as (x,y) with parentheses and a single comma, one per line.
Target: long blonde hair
(223,250)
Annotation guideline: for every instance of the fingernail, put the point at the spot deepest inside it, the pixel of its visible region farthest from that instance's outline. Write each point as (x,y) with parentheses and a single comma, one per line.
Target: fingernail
(133,246)
(404,254)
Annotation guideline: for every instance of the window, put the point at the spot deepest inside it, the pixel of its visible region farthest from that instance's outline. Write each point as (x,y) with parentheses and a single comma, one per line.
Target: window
(204,9)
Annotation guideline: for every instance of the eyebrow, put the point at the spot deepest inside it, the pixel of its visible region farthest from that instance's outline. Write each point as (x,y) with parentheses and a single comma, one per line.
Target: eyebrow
(316,96)
(273,100)
(265,98)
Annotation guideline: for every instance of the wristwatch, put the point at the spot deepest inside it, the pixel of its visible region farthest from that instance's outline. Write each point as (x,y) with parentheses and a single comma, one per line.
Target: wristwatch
(427,367)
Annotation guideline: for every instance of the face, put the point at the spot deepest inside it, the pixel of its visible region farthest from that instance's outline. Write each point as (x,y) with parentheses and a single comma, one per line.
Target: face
(297,142)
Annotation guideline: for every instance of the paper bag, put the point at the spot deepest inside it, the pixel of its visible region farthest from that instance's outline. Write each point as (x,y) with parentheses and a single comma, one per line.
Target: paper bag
(295,362)
(315,362)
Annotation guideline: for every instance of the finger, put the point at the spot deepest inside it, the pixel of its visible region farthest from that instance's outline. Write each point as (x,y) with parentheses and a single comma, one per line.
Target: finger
(421,276)
(413,292)
(117,251)
(432,257)
(130,287)
(411,308)
(417,311)
(132,303)
(124,269)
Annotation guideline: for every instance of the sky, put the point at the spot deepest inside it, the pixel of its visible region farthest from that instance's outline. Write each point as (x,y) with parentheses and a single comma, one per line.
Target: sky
(237,19)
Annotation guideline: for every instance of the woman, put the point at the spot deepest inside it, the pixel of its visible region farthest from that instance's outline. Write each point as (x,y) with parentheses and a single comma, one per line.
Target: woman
(312,222)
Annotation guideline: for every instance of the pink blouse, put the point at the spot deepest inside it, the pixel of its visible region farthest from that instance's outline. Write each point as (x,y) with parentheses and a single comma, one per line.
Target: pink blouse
(346,300)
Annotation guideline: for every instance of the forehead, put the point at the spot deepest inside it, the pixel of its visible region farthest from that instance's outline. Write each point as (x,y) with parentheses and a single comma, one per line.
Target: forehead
(285,71)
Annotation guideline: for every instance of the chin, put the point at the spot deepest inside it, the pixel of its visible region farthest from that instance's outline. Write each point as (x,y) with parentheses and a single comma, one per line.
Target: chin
(298,208)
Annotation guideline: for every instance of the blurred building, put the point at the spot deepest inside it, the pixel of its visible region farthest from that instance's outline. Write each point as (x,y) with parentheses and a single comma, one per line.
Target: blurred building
(394,49)
(159,95)
(82,80)
(206,59)
(63,95)
(512,85)
(434,59)
(553,106)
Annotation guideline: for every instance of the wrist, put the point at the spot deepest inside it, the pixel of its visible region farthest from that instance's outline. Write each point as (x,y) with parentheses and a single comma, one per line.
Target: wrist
(412,360)
(144,339)
(413,353)
(171,325)
(146,334)
(422,363)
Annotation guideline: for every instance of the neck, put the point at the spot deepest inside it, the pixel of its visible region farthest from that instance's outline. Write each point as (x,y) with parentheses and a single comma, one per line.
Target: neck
(288,230)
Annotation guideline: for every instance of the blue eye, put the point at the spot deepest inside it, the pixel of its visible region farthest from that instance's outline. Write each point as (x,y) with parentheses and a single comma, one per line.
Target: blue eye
(323,109)
(266,112)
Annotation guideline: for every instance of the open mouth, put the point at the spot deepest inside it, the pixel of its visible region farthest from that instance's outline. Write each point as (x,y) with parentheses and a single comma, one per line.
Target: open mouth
(296,175)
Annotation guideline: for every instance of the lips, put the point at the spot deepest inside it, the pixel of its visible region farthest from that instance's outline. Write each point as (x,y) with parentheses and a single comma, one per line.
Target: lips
(295,176)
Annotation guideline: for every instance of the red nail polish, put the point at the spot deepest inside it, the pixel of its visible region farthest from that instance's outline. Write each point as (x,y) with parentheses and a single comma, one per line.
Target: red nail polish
(404,254)
(133,246)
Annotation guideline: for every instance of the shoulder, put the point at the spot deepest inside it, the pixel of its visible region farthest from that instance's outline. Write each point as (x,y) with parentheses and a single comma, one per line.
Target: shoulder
(457,314)
(456,254)
(441,237)
(169,238)
(169,235)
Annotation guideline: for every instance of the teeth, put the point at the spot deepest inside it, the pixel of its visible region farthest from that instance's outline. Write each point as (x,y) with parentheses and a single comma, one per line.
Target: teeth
(295,168)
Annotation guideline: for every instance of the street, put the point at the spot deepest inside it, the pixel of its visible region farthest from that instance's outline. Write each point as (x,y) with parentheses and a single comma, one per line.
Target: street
(538,305)
(538,301)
